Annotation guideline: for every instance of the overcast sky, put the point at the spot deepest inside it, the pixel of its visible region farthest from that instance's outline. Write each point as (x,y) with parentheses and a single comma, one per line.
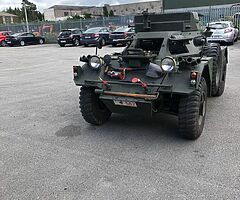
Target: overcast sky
(43,4)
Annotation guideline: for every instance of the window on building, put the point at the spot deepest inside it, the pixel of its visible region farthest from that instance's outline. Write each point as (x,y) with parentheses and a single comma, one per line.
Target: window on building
(66,14)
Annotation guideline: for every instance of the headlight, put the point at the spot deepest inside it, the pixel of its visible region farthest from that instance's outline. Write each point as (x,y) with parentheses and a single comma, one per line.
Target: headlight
(168,64)
(95,62)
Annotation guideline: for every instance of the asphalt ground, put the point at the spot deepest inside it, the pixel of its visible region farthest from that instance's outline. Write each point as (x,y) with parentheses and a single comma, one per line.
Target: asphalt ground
(47,150)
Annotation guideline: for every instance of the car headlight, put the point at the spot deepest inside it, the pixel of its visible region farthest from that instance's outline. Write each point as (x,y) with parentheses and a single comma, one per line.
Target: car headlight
(168,64)
(95,62)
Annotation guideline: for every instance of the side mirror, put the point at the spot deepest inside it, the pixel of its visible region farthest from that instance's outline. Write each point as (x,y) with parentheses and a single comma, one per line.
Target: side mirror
(208,32)
(99,43)
(199,41)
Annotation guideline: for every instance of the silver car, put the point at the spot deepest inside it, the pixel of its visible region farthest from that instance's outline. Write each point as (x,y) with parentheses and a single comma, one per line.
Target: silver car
(223,31)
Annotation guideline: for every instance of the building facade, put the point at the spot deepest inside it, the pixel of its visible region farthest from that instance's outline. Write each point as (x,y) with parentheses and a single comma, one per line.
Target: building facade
(6,18)
(61,12)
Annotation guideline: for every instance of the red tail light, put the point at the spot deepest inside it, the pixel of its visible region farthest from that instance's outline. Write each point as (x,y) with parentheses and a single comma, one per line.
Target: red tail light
(125,34)
(228,30)
(110,36)
(95,35)
(81,35)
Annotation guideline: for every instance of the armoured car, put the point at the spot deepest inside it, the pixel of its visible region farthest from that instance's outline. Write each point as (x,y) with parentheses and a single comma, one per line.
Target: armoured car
(168,67)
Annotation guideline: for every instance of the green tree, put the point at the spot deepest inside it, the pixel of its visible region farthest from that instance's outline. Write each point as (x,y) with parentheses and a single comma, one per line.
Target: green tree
(105,11)
(111,13)
(33,13)
(87,15)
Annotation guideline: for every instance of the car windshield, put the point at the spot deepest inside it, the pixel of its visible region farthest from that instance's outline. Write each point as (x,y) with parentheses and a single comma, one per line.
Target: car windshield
(93,30)
(17,34)
(66,32)
(122,29)
(219,26)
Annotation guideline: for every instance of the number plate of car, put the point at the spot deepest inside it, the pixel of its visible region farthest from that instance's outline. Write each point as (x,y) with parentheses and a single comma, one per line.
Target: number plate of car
(125,103)
(87,37)
(63,41)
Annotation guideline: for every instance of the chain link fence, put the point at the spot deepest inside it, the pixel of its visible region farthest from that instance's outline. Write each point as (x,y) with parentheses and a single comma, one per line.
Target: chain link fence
(51,29)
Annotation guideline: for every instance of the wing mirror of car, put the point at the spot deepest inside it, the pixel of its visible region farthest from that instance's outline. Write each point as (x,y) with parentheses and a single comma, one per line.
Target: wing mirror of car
(199,41)
(207,32)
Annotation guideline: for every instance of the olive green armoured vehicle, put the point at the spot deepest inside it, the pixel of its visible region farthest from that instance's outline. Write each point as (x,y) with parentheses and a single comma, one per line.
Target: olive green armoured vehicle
(168,67)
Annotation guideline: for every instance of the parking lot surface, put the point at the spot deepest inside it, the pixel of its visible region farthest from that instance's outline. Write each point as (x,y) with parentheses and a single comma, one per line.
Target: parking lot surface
(47,150)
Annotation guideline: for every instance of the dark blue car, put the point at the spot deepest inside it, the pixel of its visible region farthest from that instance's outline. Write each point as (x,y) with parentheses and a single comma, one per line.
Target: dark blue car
(90,36)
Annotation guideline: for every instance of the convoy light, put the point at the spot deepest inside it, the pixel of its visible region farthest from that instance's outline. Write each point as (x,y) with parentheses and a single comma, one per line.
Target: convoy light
(95,62)
(168,64)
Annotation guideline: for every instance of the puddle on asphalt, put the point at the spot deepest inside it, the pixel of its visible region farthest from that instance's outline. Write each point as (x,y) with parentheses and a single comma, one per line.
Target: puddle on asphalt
(69,131)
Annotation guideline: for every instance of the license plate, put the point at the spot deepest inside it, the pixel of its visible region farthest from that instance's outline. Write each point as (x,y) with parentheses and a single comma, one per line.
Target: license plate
(125,103)
(63,41)
(87,37)
(9,42)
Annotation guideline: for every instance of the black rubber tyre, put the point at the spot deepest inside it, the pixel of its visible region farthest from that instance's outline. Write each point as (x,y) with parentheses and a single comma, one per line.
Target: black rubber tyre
(76,42)
(103,42)
(86,45)
(114,44)
(192,112)
(3,43)
(41,41)
(22,43)
(92,108)
(223,79)
(62,45)
(214,50)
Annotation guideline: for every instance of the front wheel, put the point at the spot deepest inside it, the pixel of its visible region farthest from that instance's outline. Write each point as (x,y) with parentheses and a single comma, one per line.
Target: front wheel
(22,43)
(92,108)
(192,112)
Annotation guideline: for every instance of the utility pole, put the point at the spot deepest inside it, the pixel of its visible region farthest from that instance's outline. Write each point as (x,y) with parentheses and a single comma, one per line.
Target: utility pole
(26,17)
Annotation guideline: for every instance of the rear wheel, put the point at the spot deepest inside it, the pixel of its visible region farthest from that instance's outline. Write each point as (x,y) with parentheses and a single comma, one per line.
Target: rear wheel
(86,45)
(76,42)
(114,44)
(92,108)
(103,42)
(3,43)
(62,45)
(41,41)
(192,112)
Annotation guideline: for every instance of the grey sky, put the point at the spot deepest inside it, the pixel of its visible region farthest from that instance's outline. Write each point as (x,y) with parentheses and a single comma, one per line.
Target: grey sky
(43,4)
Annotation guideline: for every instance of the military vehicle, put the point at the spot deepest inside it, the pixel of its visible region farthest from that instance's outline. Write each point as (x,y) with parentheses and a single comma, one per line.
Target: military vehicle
(168,67)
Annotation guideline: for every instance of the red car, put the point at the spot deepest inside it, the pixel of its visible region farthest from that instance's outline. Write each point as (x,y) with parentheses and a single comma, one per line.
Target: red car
(3,35)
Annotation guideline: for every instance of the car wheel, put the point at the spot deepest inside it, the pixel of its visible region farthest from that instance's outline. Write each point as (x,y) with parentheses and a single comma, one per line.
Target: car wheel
(86,45)
(114,44)
(76,42)
(62,45)
(192,112)
(214,50)
(41,41)
(223,79)
(92,108)
(22,43)
(3,44)
(103,42)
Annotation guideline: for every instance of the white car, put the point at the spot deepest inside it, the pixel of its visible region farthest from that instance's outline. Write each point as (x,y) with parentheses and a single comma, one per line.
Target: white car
(223,31)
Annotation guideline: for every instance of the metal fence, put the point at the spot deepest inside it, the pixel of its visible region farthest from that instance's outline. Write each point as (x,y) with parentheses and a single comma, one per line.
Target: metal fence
(44,27)
(51,29)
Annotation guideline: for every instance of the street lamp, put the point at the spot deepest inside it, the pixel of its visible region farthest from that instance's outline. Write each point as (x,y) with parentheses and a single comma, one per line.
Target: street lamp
(26,17)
